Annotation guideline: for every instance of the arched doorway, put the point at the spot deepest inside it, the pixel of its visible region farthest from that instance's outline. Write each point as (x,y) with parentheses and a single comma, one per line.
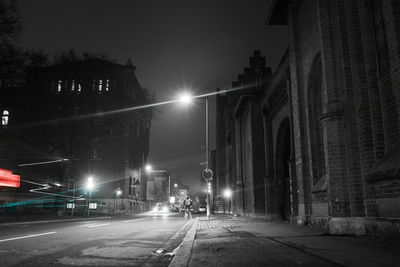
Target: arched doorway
(282,169)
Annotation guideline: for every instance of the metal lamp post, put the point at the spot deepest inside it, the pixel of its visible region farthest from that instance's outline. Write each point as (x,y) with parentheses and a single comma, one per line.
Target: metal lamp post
(208,183)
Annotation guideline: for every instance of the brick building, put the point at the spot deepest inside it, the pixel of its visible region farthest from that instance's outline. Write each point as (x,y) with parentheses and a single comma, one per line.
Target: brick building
(80,111)
(330,116)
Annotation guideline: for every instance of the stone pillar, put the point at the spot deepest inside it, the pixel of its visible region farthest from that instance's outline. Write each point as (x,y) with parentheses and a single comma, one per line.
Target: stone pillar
(300,154)
(239,190)
(332,120)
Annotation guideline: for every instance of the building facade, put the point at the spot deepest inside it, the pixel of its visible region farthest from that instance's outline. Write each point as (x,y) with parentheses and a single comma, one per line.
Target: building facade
(82,112)
(330,116)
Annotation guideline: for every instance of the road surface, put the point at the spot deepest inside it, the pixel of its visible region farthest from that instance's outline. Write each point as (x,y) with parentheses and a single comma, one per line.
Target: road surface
(124,241)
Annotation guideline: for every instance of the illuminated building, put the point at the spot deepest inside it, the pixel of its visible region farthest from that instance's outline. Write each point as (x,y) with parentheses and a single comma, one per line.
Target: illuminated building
(80,111)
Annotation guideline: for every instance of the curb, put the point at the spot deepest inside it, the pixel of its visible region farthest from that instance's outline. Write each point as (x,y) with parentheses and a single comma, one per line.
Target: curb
(183,254)
(50,221)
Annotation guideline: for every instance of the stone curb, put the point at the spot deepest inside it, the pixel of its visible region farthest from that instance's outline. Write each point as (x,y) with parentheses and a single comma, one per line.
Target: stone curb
(183,254)
(50,221)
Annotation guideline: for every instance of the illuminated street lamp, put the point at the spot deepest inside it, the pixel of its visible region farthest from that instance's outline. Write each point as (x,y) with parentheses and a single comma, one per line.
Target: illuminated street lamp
(227,193)
(118,192)
(148,168)
(90,185)
(187,99)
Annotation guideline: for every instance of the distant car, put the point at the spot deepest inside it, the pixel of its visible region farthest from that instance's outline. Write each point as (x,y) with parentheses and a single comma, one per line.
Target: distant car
(174,208)
(202,209)
(161,207)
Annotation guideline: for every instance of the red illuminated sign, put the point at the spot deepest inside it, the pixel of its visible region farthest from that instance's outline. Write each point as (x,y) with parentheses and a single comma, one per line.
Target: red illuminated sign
(7,178)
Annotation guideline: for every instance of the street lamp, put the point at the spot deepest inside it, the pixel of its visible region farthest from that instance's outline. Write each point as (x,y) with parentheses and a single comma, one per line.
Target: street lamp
(186,98)
(118,192)
(89,186)
(227,193)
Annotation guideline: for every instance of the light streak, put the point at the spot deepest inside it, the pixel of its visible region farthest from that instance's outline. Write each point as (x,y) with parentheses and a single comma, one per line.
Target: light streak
(42,162)
(111,112)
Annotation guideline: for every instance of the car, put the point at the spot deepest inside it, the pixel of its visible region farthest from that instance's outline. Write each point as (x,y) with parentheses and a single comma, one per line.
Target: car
(161,207)
(174,208)
(202,209)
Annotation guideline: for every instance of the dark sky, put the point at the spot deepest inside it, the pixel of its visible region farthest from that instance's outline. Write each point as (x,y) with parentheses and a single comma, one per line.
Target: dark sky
(199,45)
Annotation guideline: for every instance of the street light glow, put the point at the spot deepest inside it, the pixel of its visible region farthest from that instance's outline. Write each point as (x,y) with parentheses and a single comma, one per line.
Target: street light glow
(175,185)
(90,183)
(185,98)
(119,192)
(227,193)
(148,168)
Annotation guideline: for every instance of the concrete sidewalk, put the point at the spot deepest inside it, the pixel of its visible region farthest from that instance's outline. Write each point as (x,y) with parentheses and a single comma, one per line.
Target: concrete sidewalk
(244,241)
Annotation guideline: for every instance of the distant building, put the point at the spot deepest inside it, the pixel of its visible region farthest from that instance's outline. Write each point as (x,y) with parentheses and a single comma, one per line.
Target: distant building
(157,183)
(81,112)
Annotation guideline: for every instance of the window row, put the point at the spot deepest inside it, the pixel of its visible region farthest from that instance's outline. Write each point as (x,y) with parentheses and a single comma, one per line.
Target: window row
(4,118)
(77,86)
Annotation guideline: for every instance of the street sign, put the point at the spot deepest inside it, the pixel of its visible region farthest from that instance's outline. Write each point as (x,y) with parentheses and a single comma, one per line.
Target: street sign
(207,174)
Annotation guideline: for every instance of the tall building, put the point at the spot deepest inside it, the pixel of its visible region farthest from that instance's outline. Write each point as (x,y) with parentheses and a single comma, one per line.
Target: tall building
(82,112)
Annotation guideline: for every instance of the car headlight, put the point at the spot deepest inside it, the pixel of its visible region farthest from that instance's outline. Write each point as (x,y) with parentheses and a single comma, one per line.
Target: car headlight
(165,209)
(155,209)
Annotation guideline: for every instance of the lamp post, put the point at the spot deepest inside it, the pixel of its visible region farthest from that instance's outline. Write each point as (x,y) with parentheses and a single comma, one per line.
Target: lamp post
(186,99)
(89,186)
(208,182)
(118,192)
(227,193)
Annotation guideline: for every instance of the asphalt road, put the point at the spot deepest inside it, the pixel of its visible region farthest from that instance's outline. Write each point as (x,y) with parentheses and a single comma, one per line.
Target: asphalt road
(125,241)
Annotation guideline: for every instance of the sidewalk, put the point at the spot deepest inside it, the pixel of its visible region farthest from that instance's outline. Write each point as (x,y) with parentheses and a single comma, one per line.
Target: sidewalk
(244,241)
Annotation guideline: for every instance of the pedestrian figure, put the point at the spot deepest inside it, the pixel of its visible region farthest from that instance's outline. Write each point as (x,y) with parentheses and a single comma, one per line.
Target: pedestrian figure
(188,205)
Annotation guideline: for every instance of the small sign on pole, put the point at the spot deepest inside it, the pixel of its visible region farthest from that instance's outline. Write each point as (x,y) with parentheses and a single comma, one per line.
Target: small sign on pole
(207,174)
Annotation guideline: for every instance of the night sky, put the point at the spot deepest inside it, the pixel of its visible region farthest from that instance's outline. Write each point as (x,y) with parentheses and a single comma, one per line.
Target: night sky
(175,45)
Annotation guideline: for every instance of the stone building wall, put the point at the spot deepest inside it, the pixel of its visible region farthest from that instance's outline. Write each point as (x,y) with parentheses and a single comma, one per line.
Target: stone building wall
(344,58)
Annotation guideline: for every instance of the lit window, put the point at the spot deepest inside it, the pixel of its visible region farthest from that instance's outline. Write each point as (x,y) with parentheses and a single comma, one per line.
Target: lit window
(100,85)
(73,85)
(107,84)
(4,118)
(59,85)
(79,87)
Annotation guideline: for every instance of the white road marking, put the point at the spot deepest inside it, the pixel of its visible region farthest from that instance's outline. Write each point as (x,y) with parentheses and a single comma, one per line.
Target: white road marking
(26,236)
(97,225)
(87,225)
(134,220)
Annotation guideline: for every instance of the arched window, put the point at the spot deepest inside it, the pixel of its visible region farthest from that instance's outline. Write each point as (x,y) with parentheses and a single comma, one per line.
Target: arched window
(4,118)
